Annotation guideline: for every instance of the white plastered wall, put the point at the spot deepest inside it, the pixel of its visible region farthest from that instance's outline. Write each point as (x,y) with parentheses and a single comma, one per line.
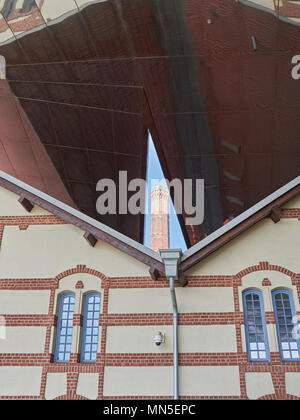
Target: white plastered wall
(87,386)
(192,339)
(20,381)
(24,340)
(258,384)
(56,385)
(56,248)
(11,207)
(264,241)
(157,381)
(24,302)
(293,383)
(190,299)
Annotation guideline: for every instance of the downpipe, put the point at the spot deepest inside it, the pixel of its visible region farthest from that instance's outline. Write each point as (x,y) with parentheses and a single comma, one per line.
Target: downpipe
(175,337)
(171,259)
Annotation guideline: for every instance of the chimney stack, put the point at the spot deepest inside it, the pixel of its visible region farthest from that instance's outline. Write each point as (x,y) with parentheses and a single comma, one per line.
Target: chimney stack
(160,234)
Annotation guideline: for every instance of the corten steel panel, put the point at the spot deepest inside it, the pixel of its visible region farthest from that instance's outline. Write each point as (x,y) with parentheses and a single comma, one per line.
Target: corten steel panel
(21,152)
(211,79)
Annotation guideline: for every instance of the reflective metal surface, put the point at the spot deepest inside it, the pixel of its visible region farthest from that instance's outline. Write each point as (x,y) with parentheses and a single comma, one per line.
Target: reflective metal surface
(211,79)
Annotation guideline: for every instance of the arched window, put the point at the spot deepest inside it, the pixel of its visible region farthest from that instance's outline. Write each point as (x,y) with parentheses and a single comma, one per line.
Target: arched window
(64,328)
(255,327)
(90,334)
(286,325)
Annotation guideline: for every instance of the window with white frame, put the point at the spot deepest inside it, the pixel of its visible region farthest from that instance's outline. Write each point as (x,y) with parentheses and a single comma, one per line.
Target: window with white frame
(286,325)
(90,333)
(64,330)
(255,327)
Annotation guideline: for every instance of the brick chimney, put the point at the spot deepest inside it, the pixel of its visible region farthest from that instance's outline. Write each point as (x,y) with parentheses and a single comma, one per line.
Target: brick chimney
(160,235)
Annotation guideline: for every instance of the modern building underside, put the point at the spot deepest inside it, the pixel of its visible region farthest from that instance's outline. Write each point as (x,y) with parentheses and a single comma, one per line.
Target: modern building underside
(211,80)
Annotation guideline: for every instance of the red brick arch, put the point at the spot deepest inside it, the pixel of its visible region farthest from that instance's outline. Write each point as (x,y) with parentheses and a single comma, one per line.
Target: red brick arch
(80,269)
(72,382)
(291,397)
(70,396)
(268,397)
(276,397)
(262,266)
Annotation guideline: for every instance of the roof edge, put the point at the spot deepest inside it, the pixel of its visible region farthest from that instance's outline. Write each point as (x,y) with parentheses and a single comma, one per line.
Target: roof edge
(239,224)
(86,223)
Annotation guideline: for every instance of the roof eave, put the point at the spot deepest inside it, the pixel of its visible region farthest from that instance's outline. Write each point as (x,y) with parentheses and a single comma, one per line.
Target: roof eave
(238,225)
(83,222)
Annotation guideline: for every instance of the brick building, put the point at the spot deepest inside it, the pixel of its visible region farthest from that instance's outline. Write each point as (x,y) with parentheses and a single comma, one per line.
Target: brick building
(160,234)
(60,271)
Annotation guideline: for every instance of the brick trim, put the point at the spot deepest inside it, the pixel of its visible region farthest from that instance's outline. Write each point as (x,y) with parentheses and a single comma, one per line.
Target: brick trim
(144,282)
(137,319)
(171,397)
(83,269)
(290,214)
(28,284)
(239,358)
(29,320)
(266,282)
(263,266)
(47,219)
(196,318)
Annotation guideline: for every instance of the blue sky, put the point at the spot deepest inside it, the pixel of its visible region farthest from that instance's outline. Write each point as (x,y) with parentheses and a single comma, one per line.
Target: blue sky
(154,171)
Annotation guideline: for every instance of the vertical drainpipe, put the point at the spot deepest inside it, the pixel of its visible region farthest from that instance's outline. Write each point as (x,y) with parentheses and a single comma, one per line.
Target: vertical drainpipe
(171,259)
(175,336)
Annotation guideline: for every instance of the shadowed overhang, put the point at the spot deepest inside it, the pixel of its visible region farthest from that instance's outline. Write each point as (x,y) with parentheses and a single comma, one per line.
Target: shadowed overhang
(211,79)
